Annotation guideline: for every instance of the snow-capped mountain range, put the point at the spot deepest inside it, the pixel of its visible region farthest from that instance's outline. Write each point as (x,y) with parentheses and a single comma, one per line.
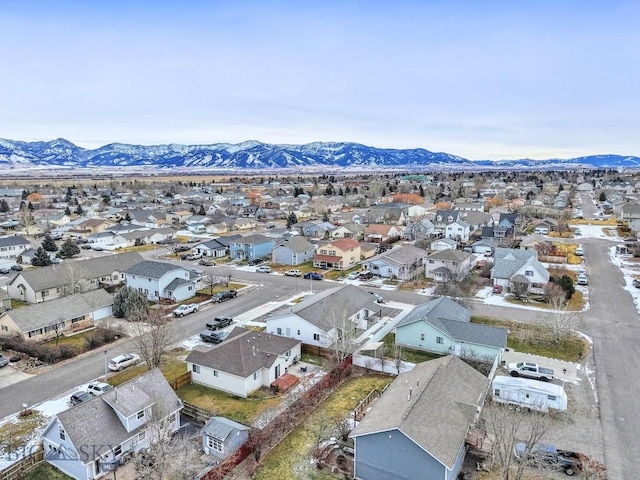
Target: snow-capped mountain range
(252,156)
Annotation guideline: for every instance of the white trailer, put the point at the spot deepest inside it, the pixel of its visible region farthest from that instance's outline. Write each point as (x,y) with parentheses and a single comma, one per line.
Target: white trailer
(526,393)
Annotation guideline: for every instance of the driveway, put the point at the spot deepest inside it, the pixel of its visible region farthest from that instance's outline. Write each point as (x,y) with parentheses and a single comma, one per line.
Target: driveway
(10,376)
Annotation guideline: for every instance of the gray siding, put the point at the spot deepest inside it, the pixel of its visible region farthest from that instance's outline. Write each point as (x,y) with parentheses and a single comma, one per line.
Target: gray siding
(392,456)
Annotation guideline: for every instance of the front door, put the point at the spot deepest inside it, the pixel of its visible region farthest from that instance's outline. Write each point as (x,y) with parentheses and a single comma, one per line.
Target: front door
(277,371)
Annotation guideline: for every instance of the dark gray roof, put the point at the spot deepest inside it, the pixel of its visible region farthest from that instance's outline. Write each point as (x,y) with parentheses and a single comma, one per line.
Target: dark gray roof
(403,255)
(450,255)
(176,283)
(442,307)
(40,315)
(244,352)
(433,405)
(13,240)
(318,309)
(253,239)
(221,427)
(151,269)
(58,275)
(298,244)
(95,423)
(471,332)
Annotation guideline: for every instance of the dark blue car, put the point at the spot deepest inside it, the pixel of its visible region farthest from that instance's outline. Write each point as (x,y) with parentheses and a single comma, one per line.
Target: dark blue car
(313,276)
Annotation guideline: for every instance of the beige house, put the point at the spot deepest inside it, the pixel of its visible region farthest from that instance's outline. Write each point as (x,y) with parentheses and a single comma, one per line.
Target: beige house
(64,316)
(340,254)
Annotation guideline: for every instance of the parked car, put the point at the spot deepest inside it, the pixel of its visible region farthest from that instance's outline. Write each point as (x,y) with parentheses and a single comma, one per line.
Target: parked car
(213,337)
(182,248)
(497,289)
(197,271)
(636,283)
(263,269)
(579,250)
(365,276)
(207,263)
(85,246)
(293,273)
(16,268)
(98,388)
(583,280)
(353,275)
(79,397)
(582,271)
(257,261)
(224,295)
(547,455)
(219,322)
(312,276)
(4,361)
(193,256)
(531,370)
(379,298)
(97,248)
(123,361)
(5,270)
(186,309)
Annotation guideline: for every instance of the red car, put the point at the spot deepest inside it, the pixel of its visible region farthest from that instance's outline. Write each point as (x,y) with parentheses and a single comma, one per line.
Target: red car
(497,289)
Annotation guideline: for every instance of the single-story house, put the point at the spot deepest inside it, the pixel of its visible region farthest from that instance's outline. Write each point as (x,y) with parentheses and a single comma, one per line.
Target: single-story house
(294,251)
(12,246)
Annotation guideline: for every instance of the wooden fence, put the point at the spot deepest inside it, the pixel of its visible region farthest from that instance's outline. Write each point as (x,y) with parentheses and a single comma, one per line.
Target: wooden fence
(17,470)
(199,413)
(181,381)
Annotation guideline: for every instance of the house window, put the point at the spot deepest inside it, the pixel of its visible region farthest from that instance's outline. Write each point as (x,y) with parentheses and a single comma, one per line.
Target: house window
(496,392)
(431,261)
(61,433)
(440,340)
(316,337)
(553,398)
(215,444)
(117,451)
(422,336)
(215,373)
(279,331)
(255,375)
(298,332)
(528,273)
(140,415)
(4,328)
(195,368)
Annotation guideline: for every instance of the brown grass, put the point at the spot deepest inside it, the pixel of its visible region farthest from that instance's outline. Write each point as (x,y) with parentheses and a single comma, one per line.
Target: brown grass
(171,368)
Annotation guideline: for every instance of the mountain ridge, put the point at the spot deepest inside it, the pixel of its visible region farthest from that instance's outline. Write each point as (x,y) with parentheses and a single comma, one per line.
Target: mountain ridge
(255,155)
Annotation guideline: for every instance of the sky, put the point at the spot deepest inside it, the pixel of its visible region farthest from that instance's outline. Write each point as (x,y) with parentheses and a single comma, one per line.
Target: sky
(483,80)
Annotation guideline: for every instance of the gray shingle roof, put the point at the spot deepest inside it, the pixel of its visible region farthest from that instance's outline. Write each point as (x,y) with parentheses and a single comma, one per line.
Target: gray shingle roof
(13,240)
(449,255)
(151,269)
(243,352)
(58,275)
(253,239)
(40,315)
(175,283)
(298,244)
(442,307)
(404,255)
(319,308)
(437,414)
(221,427)
(507,261)
(95,423)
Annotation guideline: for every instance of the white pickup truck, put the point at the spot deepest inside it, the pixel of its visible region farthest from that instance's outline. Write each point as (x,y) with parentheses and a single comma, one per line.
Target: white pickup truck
(531,370)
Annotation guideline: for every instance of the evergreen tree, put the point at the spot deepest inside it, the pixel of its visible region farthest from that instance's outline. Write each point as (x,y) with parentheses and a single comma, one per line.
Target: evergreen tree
(325,216)
(4,206)
(41,258)
(421,191)
(68,249)
(602,197)
(48,244)
(30,206)
(79,210)
(291,219)
(201,210)
(67,211)
(106,200)
(129,303)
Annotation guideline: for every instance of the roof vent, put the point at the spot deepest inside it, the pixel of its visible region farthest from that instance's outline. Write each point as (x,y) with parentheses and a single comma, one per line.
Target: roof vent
(410,393)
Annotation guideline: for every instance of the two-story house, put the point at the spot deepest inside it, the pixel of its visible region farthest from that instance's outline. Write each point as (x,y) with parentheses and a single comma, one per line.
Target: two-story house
(402,263)
(251,247)
(519,266)
(448,265)
(158,280)
(340,254)
(88,440)
(458,231)
(12,246)
(294,251)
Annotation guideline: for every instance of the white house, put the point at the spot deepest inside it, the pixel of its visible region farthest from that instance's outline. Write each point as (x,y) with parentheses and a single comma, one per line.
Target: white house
(88,441)
(445,265)
(159,280)
(13,246)
(319,319)
(443,244)
(515,265)
(458,231)
(403,263)
(245,362)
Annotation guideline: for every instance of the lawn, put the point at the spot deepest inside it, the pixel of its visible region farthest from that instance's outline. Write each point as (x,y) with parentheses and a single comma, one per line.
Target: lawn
(292,454)
(575,303)
(241,410)
(14,434)
(408,354)
(45,472)
(537,339)
(171,368)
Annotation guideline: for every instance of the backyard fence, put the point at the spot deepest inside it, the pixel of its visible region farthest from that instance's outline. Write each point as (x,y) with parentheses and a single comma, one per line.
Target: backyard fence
(18,469)
(199,413)
(181,381)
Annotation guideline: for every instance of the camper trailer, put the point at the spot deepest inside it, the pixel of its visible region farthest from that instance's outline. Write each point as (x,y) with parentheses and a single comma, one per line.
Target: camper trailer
(526,393)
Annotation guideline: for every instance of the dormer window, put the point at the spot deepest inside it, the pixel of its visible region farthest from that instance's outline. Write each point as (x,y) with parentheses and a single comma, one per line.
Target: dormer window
(61,433)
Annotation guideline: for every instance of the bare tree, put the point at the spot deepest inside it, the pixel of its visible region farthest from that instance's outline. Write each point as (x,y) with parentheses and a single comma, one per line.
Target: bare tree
(508,428)
(343,332)
(519,286)
(152,334)
(26,220)
(210,280)
(561,321)
(75,280)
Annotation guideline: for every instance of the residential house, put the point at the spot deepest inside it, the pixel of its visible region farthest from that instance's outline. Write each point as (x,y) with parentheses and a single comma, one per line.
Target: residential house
(445,217)
(251,211)
(349,230)
(221,437)
(320,319)
(458,231)
(339,254)
(443,326)
(498,233)
(417,428)
(94,225)
(545,225)
(88,440)
(628,213)
(55,281)
(381,233)
(443,244)
(295,251)
(245,362)
(420,230)
(5,302)
(448,265)
(212,248)
(107,240)
(158,280)
(13,246)
(60,317)
(149,236)
(402,263)
(483,247)
(533,242)
(251,247)
(315,229)
(387,213)
(519,266)
(470,207)
(368,249)
(476,220)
